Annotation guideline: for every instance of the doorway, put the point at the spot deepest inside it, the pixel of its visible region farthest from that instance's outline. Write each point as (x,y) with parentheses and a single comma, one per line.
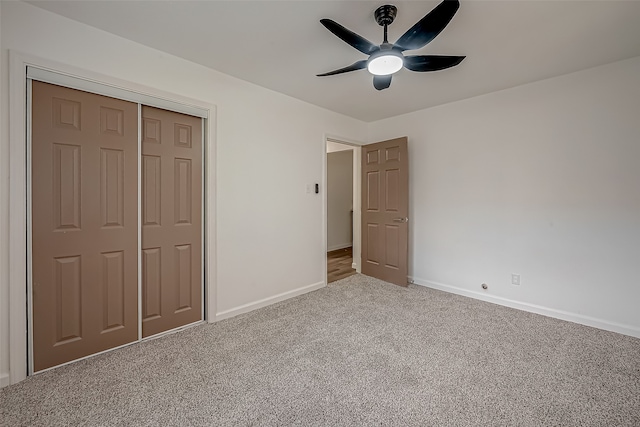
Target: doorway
(380,205)
(343,238)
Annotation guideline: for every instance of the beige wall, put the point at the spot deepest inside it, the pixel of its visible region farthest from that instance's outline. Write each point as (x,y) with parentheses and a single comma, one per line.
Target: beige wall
(542,180)
(339,199)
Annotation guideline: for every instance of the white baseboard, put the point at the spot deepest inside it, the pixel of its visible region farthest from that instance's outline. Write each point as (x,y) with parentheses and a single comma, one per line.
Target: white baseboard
(354,265)
(532,308)
(336,247)
(267,301)
(4,380)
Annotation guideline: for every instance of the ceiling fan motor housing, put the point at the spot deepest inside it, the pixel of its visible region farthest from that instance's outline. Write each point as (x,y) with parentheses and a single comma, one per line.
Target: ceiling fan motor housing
(385,14)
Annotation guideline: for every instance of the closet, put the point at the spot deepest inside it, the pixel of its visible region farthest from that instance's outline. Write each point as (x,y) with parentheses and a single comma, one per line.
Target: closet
(116,222)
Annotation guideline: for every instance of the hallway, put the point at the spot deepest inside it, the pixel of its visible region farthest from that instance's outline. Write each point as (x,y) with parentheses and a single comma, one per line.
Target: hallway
(339,264)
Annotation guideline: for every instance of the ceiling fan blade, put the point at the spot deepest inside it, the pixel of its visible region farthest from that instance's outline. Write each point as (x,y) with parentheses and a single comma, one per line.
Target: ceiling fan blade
(351,38)
(353,67)
(382,82)
(428,27)
(431,62)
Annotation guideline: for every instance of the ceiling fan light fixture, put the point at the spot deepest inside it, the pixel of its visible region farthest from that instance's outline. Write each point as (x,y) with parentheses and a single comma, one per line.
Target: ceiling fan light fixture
(387,58)
(386,63)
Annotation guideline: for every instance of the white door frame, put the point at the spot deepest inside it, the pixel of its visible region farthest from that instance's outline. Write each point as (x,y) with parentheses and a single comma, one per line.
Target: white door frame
(357,200)
(18,260)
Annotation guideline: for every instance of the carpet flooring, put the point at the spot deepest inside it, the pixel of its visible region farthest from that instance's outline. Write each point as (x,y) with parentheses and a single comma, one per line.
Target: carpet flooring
(359,352)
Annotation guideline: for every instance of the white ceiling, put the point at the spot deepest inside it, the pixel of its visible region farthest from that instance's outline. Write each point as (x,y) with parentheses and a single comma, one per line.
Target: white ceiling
(281,45)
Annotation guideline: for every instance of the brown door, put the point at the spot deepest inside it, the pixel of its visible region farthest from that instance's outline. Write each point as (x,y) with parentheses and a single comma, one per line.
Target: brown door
(385,208)
(84,212)
(171,220)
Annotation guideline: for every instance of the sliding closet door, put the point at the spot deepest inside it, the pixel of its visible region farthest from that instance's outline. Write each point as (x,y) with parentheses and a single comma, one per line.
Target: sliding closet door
(171,220)
(84,215)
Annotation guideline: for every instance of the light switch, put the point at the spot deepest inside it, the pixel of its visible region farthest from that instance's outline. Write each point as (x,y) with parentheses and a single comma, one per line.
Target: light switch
(515,279)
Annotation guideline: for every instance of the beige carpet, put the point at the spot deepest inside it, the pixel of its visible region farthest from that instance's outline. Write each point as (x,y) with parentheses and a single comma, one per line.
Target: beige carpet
(360,352)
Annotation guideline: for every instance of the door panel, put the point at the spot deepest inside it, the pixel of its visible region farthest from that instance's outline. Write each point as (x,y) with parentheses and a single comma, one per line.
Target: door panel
(392,243)
(84,215)
(112,187)
(151,189)
(68,295)
(183,197)
(391,192)
(151,284)
(113,290)
(385,192)
(373,191)
(66,186)
(372,244)
(171,218)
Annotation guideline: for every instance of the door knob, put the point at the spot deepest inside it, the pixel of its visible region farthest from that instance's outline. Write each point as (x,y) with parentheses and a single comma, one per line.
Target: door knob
(400,219)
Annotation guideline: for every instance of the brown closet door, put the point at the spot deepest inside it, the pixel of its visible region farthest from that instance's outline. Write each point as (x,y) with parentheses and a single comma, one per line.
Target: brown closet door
(84,211)
(171,220)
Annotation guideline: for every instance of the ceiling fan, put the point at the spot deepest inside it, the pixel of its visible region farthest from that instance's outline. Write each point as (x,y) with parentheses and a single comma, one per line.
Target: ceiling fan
(386,59)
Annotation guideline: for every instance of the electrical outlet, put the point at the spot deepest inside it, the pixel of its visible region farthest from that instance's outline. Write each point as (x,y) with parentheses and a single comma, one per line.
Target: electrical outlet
(515,279)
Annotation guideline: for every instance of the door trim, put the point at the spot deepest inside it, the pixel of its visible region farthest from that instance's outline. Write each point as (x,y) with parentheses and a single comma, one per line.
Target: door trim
(71,81)
(139,258)
(357,188)
(29,178)
(18,195)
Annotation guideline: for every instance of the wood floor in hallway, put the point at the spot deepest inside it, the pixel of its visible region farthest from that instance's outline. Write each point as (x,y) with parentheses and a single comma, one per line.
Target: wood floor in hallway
(339,264)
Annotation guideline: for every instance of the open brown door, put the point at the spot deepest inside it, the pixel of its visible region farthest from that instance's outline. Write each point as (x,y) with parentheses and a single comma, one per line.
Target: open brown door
(171,220)
(84,214)
(385,207)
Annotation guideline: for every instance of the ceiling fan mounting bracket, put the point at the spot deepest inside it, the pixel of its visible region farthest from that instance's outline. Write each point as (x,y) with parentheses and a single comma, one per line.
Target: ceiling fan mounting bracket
(385,14)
